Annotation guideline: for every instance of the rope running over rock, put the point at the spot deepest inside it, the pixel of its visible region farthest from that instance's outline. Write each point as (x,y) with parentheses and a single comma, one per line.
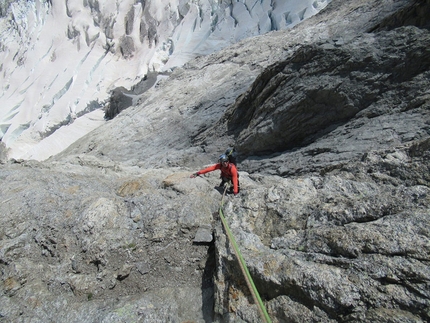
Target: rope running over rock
(243,267)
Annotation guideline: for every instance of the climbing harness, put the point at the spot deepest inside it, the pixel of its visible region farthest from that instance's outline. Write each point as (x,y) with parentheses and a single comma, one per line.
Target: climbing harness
(245,271)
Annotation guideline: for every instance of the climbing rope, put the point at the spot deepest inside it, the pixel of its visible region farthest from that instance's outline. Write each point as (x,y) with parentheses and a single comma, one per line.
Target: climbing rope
(245,271)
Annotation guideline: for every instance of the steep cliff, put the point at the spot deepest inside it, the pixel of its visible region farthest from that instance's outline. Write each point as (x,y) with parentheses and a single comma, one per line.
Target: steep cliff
(332,123)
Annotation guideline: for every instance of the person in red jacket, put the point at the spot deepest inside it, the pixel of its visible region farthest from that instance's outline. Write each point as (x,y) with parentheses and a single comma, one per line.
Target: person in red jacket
(228,172)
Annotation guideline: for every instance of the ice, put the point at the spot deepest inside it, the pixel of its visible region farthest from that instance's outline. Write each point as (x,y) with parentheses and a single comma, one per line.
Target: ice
(64,136)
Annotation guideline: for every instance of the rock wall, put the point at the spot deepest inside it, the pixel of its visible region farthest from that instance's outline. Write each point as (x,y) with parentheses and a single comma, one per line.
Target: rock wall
(80,249)
(347,246)
(326,85)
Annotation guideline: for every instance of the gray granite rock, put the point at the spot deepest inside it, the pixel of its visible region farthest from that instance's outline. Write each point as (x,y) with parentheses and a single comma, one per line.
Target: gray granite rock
(203,235)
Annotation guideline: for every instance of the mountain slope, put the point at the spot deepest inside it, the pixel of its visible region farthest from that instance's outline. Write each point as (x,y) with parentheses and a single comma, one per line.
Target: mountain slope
(332,220)
(62,60)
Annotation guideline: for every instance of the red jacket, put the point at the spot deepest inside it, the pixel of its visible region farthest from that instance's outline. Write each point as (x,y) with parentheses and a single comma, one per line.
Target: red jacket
(229,172)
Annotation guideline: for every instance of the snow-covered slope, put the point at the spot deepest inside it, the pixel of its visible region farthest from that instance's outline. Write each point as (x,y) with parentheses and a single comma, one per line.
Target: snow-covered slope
(61,59)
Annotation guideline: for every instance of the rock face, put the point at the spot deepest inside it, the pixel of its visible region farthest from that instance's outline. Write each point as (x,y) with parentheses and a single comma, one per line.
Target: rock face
(332,123)
(371,76)
(75,245)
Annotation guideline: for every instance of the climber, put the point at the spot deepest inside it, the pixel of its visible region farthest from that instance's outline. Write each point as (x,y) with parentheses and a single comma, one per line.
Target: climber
(229,173)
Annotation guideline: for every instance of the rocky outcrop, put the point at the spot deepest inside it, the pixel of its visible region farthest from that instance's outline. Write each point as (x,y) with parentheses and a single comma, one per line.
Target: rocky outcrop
(323,86)
(347,246)
(332,220)
(73,244)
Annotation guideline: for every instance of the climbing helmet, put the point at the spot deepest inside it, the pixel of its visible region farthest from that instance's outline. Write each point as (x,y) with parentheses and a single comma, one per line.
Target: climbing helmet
(223,158)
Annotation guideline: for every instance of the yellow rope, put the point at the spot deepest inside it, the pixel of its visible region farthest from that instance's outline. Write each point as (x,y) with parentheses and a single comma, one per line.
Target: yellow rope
(245,271)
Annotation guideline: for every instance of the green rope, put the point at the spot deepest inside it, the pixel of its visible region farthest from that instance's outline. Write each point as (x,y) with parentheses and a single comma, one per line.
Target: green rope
(245,271)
